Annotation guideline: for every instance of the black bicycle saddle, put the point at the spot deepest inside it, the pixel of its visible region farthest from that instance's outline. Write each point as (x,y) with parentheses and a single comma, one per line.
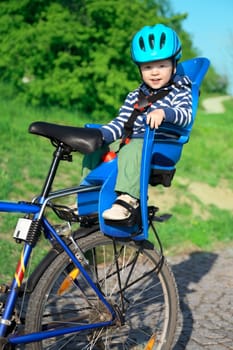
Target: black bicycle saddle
(81,139)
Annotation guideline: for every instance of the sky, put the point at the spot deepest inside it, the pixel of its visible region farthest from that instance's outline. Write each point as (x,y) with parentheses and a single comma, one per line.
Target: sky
(210,24)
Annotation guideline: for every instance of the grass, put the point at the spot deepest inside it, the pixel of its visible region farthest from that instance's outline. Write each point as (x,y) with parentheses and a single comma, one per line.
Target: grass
(207,158)
(209,153)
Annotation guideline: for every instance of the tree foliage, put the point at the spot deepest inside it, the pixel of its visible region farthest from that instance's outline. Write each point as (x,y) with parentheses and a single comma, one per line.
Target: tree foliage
(76,53)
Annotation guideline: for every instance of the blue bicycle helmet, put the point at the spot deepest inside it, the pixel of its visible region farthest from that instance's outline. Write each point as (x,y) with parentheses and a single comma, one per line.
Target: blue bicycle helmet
(155,43)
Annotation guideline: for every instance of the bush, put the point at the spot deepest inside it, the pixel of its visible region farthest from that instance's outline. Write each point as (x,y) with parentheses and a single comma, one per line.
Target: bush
(76,53)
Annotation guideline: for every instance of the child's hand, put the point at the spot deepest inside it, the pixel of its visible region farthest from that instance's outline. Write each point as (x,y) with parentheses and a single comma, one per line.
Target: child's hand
(155,118)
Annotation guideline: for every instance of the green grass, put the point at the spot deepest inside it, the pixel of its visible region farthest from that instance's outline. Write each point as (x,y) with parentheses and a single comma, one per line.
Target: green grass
(207,158)
(208,155)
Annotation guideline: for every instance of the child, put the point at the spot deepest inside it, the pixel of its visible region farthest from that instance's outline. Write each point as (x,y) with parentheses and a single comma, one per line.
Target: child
(156,50)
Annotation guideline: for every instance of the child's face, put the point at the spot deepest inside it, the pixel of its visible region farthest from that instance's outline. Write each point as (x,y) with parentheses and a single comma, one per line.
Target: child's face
(157,74)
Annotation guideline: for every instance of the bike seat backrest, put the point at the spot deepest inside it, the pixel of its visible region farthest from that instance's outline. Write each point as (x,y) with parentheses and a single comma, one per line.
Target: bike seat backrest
(168,145)
(196,70)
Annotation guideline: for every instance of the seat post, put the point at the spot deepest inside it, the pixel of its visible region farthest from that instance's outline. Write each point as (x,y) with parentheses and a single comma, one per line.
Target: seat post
(57,157)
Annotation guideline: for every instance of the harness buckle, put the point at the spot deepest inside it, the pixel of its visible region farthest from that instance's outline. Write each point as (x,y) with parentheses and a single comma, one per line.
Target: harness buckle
(142,104)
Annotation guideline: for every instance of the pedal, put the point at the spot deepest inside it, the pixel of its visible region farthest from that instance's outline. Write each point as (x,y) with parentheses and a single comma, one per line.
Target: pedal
(152,210)
(162,218)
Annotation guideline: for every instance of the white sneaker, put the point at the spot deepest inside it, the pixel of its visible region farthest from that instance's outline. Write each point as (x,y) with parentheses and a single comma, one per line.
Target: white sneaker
(122,208)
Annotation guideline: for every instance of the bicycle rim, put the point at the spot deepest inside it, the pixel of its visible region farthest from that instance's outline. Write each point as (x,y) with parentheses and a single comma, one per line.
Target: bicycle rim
(147,306)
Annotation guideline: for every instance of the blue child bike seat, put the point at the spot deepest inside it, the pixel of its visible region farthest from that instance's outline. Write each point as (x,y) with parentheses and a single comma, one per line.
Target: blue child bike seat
(159,159)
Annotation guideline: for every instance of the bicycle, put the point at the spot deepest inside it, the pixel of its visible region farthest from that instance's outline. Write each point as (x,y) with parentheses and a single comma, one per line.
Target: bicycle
(99,286)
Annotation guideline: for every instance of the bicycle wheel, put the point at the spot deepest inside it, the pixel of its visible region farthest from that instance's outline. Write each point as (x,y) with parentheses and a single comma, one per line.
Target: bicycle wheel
(147,306)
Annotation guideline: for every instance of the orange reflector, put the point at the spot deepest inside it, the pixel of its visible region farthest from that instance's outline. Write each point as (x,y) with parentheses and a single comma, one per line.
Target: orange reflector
(151,343)
(68,281)
(107,157)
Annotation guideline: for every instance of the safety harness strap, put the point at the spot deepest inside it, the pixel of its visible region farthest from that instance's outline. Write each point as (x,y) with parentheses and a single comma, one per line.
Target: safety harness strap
(142,104)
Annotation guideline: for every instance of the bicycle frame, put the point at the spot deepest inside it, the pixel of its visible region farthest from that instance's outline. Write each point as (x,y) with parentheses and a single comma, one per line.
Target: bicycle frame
(37,211)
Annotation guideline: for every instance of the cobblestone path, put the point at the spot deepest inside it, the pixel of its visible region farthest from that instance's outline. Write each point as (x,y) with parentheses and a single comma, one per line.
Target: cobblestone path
(205,283)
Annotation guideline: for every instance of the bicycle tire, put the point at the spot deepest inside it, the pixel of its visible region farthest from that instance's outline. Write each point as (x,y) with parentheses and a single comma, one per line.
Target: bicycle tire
(151,304)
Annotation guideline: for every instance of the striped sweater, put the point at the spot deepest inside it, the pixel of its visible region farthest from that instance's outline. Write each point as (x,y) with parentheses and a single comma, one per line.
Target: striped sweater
(177,106)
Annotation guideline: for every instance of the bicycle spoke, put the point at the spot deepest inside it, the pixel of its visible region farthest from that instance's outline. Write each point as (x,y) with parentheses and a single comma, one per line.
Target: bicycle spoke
(126,275)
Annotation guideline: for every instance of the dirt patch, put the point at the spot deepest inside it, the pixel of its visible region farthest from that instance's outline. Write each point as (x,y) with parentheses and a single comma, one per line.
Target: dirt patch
(194,195)
(220,196)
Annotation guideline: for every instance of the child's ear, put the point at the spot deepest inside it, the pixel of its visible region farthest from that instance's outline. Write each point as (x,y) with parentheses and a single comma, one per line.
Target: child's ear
(174,70)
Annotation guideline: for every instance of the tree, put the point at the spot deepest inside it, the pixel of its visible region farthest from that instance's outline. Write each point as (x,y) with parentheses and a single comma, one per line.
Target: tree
(76,53)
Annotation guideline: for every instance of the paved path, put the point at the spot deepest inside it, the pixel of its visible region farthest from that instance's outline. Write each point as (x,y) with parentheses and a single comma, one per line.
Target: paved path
(214,104)
(205,283)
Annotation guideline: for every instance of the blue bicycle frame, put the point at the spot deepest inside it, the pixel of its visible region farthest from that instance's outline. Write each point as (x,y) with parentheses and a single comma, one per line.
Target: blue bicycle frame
(91,193)
(37,211)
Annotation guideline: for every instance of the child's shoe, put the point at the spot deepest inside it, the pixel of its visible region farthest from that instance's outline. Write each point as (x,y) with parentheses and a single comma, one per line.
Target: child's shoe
(122,208)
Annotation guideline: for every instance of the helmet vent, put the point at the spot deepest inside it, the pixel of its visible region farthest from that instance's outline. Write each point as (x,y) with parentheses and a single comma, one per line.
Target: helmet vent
(162,40)
(152,41)
(141,44)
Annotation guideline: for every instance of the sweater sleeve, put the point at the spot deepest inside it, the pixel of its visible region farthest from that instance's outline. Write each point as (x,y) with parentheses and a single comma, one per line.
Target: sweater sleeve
(114,129)
(180,110)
